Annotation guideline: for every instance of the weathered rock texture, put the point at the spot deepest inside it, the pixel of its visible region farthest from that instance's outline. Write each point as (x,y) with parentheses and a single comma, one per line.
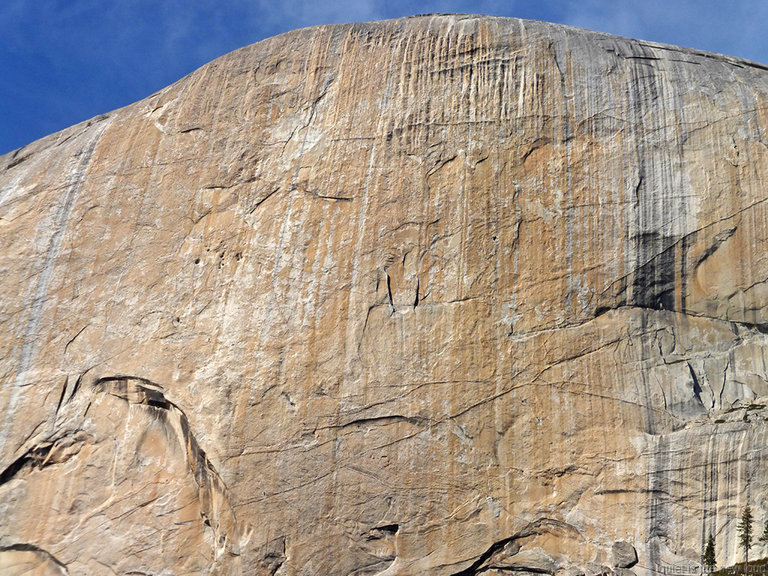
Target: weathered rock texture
(441,295)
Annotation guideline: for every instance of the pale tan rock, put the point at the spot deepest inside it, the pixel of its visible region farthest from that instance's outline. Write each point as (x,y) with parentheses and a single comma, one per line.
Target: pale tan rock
(28,560)
(438,295)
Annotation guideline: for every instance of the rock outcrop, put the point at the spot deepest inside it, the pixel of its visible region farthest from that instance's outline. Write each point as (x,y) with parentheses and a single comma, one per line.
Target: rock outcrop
(444,295)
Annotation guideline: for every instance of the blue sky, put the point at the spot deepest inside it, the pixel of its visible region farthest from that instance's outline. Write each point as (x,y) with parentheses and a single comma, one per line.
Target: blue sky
(64,61)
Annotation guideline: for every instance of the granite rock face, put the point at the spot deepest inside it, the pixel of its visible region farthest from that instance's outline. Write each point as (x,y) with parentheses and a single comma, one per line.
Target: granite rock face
(443,295)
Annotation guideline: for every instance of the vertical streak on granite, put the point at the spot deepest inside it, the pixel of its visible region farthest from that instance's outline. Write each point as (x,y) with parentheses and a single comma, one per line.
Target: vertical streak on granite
(42,279)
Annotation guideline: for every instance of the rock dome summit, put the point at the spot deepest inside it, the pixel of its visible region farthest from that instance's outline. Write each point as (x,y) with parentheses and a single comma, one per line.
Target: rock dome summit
(445,295)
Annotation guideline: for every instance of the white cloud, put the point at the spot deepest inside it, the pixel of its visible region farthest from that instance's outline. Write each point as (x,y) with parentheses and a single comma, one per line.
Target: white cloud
(735,28)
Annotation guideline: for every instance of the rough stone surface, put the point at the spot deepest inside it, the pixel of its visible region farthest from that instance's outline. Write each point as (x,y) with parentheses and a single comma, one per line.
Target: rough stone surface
(624,555)
(445,295)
